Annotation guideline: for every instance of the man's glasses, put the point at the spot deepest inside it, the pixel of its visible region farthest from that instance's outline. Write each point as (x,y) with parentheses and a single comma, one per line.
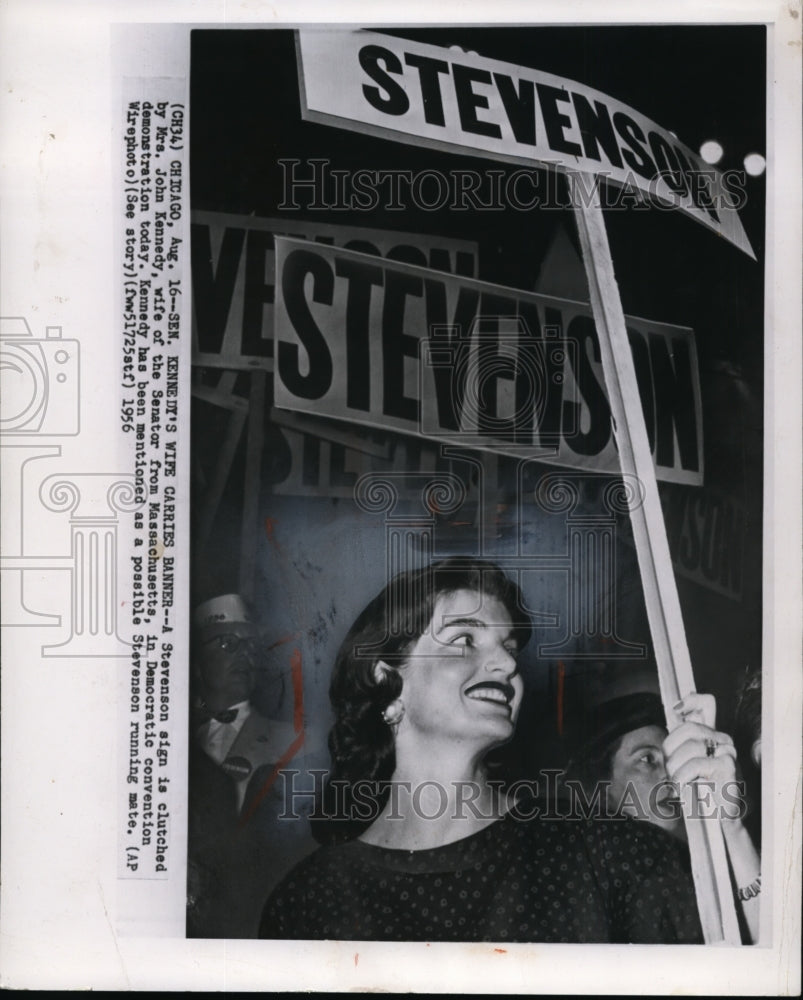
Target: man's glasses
(228,642)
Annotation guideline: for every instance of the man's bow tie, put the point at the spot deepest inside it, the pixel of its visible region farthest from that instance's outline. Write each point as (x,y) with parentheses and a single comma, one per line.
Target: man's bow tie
(206,714)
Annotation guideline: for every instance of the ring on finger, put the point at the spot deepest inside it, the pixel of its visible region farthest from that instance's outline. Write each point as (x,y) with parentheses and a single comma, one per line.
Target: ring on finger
(710,748)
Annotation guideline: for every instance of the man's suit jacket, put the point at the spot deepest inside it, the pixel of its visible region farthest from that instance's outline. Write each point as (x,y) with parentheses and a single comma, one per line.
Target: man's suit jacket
(235,857)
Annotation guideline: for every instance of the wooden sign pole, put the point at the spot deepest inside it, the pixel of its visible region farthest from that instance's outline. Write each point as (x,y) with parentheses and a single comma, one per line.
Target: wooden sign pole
(706,845)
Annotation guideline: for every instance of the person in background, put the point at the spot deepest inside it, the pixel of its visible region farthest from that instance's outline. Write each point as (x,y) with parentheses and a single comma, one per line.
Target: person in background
(233,834)
(625,752)
(747,738)
(618,748)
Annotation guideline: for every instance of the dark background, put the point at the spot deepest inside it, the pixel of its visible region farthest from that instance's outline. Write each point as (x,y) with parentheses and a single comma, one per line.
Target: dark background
(700,82)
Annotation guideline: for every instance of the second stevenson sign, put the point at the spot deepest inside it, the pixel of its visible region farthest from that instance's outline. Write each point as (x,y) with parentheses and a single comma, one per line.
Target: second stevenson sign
(477,365)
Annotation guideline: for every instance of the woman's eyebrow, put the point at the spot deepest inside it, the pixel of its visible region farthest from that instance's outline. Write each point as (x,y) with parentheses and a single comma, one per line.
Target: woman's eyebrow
(471,622)
(645,746)
(474,623)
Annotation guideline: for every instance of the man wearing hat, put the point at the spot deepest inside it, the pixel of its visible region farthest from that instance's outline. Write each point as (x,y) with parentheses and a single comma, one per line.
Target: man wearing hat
(234,749)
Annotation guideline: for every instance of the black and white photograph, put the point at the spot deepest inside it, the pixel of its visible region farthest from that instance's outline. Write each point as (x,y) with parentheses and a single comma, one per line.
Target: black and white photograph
(401,448)
(414,565)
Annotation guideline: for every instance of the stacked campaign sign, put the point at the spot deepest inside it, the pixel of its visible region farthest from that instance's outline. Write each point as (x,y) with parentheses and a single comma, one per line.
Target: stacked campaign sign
(465,362)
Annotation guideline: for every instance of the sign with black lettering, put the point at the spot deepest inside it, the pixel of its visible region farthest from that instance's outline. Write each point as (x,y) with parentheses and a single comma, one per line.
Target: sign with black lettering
(233,269)
(432,96)
(472,364)
(707,534)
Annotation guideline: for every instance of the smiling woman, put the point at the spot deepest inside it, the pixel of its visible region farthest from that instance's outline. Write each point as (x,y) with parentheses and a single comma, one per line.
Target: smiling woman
(461,693)
(424,685)
(420,843)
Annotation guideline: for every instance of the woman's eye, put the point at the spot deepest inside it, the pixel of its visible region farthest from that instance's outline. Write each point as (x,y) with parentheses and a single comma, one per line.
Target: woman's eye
(463,640)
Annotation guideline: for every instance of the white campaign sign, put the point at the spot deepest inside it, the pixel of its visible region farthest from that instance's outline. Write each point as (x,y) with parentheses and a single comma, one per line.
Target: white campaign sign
(468,363)
(429,95)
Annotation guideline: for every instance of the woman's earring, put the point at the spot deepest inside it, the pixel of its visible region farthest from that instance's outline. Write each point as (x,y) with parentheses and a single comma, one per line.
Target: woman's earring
(394,713)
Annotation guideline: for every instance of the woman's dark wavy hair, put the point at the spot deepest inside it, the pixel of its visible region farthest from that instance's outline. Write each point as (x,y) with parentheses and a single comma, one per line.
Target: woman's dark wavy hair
(361,743)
